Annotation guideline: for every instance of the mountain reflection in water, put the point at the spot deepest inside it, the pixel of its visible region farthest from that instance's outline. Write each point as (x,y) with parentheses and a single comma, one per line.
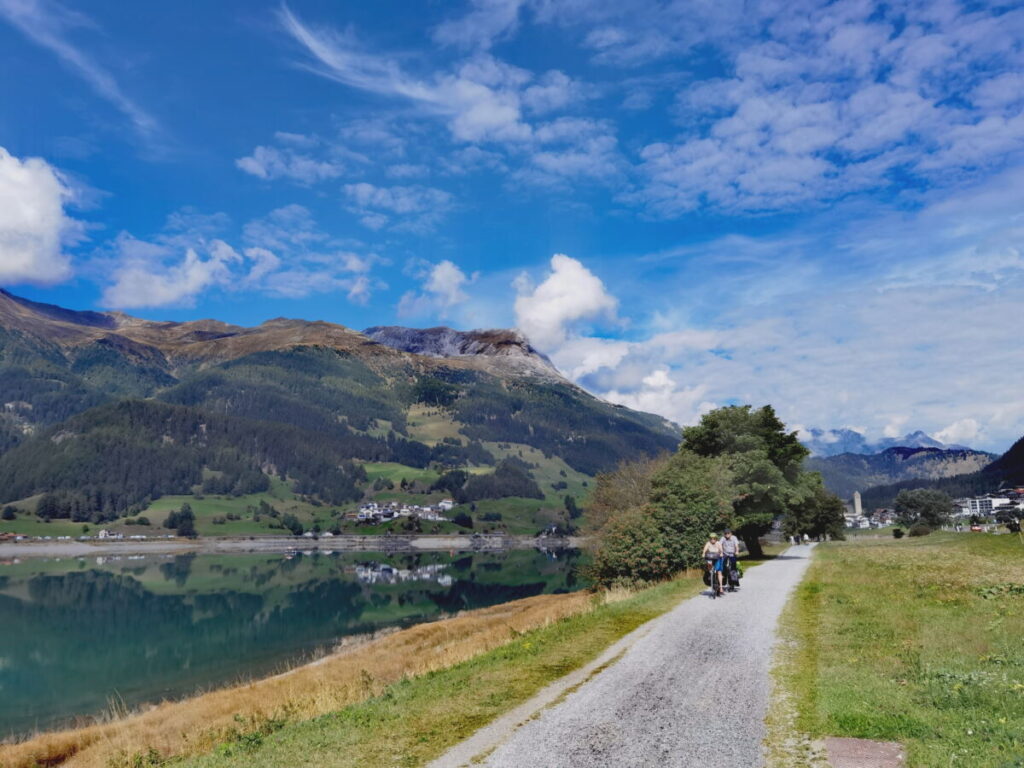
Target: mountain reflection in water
(80,637)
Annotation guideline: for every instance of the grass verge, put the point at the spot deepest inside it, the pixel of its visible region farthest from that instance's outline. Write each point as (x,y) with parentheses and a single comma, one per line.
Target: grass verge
(915,641)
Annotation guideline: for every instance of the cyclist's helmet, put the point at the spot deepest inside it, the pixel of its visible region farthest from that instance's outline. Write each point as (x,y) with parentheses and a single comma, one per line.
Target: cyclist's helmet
(712,535)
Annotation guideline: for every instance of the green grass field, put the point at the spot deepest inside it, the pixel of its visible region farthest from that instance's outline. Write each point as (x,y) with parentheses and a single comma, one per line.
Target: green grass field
(430,424)
(915,640)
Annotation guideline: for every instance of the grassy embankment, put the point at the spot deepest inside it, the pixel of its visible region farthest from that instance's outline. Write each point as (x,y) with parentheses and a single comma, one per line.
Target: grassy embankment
(916,641)
(399,700)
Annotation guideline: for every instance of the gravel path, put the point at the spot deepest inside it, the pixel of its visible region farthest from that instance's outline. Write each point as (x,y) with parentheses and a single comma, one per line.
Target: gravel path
(673,700)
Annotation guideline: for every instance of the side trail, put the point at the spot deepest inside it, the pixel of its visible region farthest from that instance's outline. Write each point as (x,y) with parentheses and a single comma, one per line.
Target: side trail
(689,688)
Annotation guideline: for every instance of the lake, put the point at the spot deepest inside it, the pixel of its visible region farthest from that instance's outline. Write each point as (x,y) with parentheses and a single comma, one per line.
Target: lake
(85,637)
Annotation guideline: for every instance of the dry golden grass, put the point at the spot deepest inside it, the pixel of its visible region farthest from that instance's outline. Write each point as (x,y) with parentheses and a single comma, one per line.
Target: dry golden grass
(195,725)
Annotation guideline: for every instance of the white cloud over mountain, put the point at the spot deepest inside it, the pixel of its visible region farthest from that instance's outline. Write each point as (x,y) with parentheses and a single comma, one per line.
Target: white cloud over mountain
(285,255)
(34,226)
(550,313)
(910,329)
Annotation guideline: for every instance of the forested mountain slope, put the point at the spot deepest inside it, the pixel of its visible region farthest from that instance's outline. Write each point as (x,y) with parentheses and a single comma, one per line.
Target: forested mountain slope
(111,411)
(848,472)
(1007,470)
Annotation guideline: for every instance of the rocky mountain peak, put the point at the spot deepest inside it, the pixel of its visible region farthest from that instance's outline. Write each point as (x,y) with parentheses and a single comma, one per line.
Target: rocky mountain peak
(507,345)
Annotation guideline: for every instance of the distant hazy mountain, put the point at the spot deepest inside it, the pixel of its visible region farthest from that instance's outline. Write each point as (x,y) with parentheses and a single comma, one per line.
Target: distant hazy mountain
(832,442)
(1006,471)
(848,472)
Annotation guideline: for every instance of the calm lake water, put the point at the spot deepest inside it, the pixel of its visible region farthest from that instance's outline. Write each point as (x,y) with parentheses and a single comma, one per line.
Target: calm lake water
(80,637)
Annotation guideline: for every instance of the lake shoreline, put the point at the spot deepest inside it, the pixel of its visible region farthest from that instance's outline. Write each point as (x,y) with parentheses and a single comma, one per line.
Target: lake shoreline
(350,543)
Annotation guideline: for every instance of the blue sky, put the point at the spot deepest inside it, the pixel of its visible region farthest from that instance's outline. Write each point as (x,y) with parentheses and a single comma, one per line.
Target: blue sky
(818,205)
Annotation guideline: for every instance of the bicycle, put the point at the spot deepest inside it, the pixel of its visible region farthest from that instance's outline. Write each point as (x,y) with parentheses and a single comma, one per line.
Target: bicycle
(713,581)
(730,566)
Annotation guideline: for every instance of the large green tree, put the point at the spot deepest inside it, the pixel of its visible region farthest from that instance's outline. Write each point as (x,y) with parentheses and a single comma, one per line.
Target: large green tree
(765,460)
(923,505)
(820,513)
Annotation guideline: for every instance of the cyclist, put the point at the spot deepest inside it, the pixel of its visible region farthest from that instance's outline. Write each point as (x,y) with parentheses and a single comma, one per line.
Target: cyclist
(730,549)
(712,554)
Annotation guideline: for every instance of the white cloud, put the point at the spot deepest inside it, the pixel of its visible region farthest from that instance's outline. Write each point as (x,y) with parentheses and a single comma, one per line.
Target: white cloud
(488,21)
(33,224)
(285,254)
(149,275)
(962,432)
(302,158)
(886,324)
(659,393)
(442,289)
(417,207)
(481,100)
(48,24)
(407,170)
(553,90)
(272,163)
(859,99)
(569,295)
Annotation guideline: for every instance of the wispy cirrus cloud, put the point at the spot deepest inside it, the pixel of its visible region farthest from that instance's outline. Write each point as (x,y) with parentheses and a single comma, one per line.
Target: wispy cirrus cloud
(50,24)
(482,100)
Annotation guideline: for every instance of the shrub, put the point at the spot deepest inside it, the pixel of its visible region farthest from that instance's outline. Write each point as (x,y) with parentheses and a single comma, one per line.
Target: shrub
(463,520)
(632,549)
(292,523)
(9,513)
(897,533)
(919,529)
(143,521)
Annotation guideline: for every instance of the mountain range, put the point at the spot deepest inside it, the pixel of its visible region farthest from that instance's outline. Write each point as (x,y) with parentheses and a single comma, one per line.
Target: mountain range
(848,472)
(108,412)
(832,442)
(1005,471)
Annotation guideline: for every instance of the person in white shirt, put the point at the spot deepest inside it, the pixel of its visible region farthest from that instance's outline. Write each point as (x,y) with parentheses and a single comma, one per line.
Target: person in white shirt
(730,550)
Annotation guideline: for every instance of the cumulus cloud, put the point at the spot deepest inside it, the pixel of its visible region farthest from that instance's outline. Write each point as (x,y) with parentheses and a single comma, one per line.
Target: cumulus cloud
(150,275)
(33,222)
(442,289)
(962,432)
(571,294)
